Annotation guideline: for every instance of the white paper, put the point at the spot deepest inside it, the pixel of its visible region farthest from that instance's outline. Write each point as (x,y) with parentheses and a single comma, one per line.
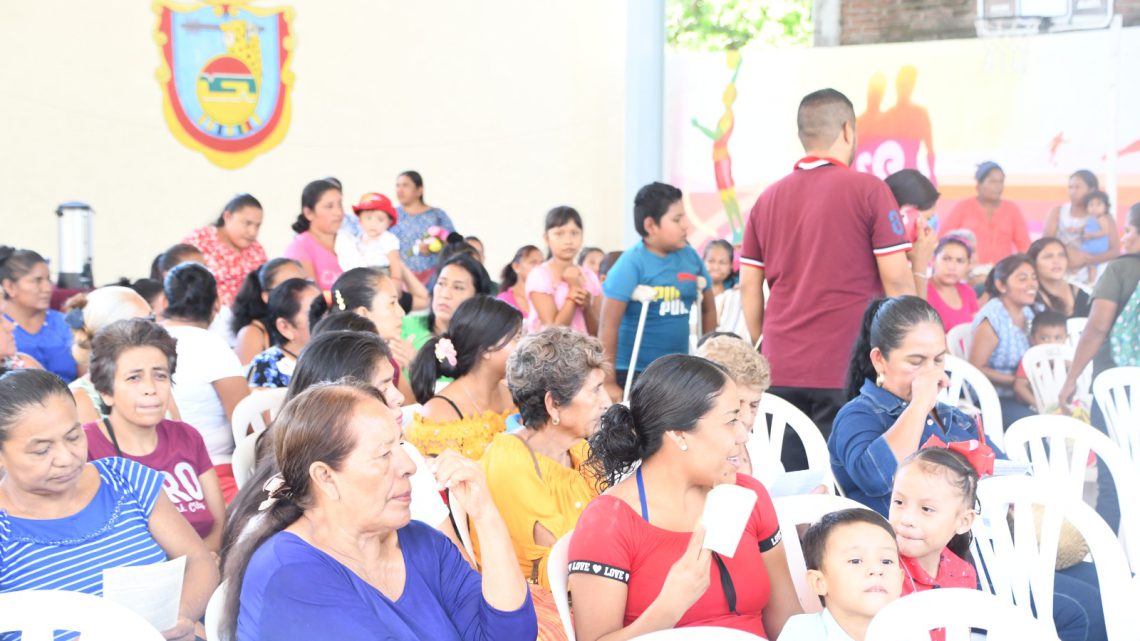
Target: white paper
(796,483)
(151,591)
(727,508)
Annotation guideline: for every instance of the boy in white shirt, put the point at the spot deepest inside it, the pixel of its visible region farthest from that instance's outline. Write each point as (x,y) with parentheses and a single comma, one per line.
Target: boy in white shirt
(852,561)
(376,246)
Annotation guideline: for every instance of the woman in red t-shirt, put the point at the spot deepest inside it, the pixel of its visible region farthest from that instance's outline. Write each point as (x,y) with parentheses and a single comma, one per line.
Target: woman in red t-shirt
(132,362)
(635,560)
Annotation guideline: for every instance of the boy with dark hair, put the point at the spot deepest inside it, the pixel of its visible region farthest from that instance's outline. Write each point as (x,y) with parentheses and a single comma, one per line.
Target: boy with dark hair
(664,261)
(852,560)
(1049,328)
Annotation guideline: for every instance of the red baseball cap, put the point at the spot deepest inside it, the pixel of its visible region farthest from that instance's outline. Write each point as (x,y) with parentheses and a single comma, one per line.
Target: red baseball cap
(374,201)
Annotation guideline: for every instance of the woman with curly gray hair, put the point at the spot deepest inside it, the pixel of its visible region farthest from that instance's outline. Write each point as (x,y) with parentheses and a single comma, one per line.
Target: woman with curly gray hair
(536,475)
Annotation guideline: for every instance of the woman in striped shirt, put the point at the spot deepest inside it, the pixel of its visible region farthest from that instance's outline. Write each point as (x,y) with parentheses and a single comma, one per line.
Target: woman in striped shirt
(64,520)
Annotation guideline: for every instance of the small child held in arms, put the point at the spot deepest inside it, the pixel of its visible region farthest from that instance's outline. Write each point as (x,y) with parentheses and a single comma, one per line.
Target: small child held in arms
(1094,236)
(376,246)
(1049,328)
(664,261)
(852,562)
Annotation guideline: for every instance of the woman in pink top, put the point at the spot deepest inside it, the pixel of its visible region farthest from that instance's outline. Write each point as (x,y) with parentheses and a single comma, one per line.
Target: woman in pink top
(230,245)
(996,223)
(132,362)
(512,281)
(946,292)
(316,227)
(560,292)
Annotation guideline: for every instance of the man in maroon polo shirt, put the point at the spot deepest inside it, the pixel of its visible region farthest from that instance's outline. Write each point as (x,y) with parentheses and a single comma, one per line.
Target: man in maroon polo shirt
(828,240)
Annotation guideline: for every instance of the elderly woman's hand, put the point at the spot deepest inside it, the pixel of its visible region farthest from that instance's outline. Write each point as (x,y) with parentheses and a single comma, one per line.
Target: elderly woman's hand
(465,479)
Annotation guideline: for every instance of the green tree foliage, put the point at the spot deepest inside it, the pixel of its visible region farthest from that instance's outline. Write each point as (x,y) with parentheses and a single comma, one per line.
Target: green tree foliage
(717,25)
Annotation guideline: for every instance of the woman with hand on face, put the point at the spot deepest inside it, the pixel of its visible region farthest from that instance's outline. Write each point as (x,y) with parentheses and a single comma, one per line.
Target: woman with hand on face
(132,362)
(466,413)
(897,369)
(636,559)
(560,292)
(460,278)
(1050,259)
(1001,330)
(230,245)
(336,554)
(41,333)
(317,225)
(58,511)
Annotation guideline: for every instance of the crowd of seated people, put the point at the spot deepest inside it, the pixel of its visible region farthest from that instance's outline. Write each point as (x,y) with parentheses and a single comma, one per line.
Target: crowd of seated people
(440,433)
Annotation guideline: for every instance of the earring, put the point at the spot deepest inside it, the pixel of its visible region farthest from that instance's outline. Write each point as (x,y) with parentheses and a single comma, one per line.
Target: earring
(555,420)
(684,447)
(879,379)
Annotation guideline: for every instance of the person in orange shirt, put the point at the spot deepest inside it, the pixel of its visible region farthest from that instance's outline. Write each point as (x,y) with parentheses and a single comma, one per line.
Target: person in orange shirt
(997,224)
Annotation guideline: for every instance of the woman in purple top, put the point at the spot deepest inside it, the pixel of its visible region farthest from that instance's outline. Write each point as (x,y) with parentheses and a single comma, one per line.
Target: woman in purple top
(132,362)
(336,555)
(317,226)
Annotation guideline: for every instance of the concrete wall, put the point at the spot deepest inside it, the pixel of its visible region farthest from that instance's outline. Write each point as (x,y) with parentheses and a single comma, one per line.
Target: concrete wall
(506,108)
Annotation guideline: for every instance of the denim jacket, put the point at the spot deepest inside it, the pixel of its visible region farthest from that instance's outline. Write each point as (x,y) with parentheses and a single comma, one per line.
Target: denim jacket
(862,461)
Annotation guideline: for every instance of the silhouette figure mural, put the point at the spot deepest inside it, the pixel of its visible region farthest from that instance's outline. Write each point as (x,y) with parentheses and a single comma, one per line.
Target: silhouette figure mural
(722,161)
(890,141)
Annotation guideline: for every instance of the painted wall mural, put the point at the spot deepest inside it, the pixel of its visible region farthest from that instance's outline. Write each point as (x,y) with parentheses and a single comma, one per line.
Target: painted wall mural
(225,76)
(1041,106)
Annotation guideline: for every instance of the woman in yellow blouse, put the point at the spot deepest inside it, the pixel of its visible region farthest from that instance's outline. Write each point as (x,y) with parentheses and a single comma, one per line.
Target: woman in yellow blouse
(471,409)
(536,475)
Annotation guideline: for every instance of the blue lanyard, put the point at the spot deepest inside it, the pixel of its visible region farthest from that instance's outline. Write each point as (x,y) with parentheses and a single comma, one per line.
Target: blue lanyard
(641,496)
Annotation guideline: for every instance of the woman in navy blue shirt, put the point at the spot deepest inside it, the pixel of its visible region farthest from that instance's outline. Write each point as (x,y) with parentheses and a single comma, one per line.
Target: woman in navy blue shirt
(336,555)
(897,369)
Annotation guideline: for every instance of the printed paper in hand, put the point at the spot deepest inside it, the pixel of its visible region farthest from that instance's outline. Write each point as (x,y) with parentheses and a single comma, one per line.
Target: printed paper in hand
(727,508)
(796,483)
(151,591)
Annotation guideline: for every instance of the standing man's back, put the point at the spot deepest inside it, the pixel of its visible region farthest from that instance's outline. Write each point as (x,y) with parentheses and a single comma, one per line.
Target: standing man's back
(828,240)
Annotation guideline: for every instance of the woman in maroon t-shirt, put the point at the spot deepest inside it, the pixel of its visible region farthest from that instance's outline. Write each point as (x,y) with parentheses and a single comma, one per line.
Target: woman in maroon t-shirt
(636,560)
(132,362)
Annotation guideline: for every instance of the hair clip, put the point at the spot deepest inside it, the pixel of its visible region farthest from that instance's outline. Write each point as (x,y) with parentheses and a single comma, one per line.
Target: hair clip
(445,351)
(277,488)
(339,300)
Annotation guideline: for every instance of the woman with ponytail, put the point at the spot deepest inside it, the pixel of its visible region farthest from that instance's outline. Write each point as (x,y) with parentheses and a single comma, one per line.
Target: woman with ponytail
(512,281)
(637,564)
(897,369)
(247,320)
(467,413)
(336,554)
(316,227)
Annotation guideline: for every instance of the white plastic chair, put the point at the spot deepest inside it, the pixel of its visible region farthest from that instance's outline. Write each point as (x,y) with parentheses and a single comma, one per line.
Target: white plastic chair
(1018,569)
(214,609)
(969,388)
(36,614)
(244,459)
(765,448)
(956,610)
(958,340)
(1058,449)
(699,633)
(1074,327)
(248,412)
(1117,392)
(557,573)
(792,512)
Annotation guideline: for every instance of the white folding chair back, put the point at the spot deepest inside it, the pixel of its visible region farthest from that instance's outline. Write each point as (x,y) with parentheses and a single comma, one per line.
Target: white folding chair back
(409,411)
(36,614)
(791,513)
(699,633)
(1117,392)
(970,387)
(214,609)
(957,610)
(1046,366)
(958,340)
(557,573)
(1057,448)
(1074,327)
(764,447)
(244,459)
(248,413)
(1018,568)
